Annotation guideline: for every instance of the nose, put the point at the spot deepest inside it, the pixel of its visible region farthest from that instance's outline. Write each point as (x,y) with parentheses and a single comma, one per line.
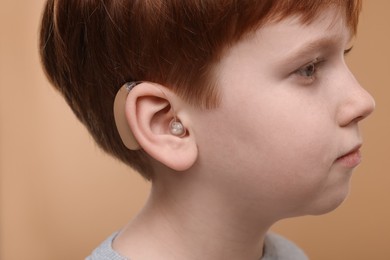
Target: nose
(357,103)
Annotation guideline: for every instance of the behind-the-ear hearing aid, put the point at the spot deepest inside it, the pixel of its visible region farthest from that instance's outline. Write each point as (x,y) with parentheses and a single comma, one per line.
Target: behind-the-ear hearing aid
(124,130)
(176,128)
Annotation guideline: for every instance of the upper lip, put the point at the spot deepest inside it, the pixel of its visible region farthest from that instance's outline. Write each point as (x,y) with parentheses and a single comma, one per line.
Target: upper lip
(354,149)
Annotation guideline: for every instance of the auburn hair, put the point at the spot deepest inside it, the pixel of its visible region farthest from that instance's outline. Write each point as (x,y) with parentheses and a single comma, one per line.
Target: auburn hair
(90,48)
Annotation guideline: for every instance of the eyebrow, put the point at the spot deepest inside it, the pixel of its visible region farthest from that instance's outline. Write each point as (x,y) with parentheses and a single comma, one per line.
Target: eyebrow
(309,48)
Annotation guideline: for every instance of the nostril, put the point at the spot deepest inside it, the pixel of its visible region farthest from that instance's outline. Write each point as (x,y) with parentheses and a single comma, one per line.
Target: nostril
(359,118)
(356,109)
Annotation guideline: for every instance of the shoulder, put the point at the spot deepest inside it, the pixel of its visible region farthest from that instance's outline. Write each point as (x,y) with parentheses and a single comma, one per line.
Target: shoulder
(278,247)
(105,251)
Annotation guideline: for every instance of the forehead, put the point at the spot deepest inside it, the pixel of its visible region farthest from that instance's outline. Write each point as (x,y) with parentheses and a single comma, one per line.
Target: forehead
(285,42)
(308,10)
(290,34)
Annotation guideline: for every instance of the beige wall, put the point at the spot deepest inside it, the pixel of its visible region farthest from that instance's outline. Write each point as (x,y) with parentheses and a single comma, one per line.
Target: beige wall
(60,195)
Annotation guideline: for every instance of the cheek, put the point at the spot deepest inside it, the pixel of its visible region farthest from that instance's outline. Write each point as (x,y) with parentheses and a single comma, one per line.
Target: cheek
(295,159)
(299,143)
(297,166)
(280,161)
(269,148)
(289,150)
(294,136)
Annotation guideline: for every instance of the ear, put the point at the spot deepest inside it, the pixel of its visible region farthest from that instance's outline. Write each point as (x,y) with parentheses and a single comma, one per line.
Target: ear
(149,110)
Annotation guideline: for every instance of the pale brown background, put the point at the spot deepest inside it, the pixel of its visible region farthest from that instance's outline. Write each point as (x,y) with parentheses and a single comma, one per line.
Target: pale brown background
(61,196)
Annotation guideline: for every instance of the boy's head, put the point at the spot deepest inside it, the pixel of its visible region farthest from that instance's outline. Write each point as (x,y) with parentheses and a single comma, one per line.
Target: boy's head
(91,48)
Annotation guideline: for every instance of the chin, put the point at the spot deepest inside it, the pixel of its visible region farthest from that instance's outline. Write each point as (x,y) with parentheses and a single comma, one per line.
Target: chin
(328,204)
(327,209)
(329,197)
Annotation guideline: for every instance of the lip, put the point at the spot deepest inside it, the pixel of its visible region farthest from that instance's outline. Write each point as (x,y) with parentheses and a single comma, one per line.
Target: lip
(352,158)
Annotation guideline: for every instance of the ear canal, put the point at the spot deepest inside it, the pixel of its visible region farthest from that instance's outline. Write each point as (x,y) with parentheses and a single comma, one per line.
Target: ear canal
(176,128)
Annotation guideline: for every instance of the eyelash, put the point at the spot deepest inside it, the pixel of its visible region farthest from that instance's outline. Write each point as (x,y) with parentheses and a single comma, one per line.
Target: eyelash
(313,66)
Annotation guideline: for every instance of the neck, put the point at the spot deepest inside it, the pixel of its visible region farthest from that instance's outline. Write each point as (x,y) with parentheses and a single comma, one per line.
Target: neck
(187,221)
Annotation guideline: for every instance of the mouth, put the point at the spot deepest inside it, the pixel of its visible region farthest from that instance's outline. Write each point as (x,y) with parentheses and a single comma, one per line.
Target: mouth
(351,159)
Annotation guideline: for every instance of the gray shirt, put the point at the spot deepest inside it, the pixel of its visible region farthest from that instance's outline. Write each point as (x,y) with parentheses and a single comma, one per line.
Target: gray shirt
(275,248)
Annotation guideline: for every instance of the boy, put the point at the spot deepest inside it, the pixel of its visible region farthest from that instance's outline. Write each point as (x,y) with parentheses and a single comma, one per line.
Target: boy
(240,113)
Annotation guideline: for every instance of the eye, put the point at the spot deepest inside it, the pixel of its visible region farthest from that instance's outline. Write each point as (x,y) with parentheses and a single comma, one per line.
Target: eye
(309,70)
(307,74)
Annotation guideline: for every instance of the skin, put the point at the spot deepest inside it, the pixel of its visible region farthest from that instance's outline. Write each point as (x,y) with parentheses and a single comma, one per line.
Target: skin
(268,152)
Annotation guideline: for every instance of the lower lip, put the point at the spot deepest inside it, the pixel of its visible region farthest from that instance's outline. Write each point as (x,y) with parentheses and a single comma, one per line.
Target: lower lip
(350,160)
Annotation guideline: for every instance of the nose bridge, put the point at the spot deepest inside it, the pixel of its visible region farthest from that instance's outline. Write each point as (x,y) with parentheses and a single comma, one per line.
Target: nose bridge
(356,103)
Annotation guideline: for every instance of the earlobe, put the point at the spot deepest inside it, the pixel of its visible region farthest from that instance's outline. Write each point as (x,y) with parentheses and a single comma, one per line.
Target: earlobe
(157,126)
